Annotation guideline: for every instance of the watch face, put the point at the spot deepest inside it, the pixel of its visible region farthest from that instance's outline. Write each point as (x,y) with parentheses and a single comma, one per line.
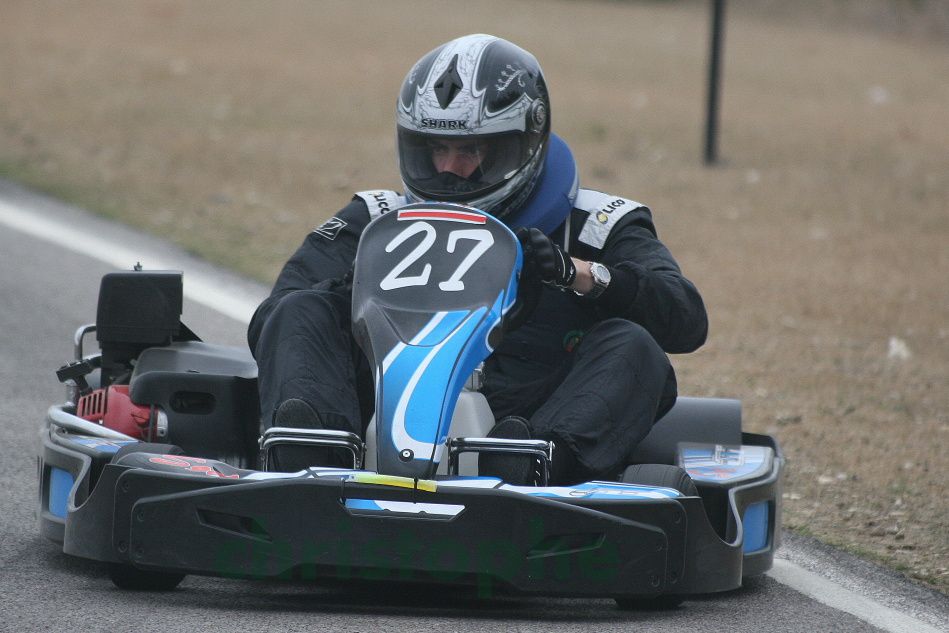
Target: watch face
(601,279)
(601,274)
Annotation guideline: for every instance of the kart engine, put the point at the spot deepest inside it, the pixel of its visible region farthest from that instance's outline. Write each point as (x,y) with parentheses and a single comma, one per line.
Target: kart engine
(155,380)
(113,408)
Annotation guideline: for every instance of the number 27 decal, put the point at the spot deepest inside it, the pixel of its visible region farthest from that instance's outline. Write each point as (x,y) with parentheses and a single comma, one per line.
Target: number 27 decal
(395,279)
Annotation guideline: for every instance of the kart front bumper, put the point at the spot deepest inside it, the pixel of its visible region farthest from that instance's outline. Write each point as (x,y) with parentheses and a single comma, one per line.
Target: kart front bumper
(303,529)
(317,527)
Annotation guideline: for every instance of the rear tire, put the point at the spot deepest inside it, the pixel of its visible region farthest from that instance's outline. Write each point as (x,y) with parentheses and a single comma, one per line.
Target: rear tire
(660,475)
(134,579)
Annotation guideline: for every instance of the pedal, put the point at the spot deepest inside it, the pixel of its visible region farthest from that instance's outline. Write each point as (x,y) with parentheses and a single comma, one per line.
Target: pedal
(314,438)
(541,450)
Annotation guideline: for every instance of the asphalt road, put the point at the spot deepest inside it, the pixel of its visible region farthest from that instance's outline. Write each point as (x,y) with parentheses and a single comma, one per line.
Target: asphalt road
(47,291)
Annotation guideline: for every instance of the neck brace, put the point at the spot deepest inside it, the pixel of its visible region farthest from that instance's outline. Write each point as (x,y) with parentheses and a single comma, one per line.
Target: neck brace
(553,197)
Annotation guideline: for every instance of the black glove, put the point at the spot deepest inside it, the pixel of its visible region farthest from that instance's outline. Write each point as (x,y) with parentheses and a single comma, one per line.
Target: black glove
(545,259)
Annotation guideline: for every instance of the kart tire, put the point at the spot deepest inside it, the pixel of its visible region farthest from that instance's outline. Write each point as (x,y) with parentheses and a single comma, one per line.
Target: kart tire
(657,603)
(134,579)
(660,475)
(147,447)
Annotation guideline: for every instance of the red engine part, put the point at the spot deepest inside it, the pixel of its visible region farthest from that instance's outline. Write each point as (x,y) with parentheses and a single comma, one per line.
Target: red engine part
(114,409)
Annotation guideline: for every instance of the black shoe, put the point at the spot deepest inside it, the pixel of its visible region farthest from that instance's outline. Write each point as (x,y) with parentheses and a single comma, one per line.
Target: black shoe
(510,468)
(298,414)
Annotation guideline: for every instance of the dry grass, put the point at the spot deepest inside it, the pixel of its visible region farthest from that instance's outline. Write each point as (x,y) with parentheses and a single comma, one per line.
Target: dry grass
(819,243)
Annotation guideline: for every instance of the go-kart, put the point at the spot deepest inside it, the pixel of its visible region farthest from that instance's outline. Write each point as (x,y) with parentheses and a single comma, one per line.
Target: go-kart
(154,465)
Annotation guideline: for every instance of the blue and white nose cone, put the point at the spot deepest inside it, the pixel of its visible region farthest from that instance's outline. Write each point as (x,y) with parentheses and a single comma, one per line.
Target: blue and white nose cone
(417,397)
(432,283)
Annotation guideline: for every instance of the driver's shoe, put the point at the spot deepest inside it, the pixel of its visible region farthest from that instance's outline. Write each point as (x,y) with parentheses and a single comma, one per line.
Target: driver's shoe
(510,468)
(298,414)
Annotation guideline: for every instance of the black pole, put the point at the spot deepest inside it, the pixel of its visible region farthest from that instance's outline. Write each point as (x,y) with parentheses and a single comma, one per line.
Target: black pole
(714,82)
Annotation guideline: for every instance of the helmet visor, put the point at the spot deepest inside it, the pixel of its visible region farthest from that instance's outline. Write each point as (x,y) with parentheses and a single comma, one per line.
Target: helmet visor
(462,167)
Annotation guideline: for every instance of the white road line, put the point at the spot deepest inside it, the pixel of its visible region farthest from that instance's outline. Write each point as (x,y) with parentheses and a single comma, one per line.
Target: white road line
(197,288)
(833,595)
(209,293)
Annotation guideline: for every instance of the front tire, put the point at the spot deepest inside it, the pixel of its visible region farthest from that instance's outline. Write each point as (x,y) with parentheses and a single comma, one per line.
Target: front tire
(662,476)
(134,579)
(658,603)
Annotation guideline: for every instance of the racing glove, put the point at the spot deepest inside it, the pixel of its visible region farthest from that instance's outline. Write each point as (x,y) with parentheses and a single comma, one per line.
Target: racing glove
(545,259)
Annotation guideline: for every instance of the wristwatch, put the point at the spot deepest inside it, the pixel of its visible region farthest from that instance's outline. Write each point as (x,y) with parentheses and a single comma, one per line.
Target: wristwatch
(601,279)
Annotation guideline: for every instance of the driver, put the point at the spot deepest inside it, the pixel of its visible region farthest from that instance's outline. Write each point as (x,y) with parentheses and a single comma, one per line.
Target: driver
(459,157)
(588,369)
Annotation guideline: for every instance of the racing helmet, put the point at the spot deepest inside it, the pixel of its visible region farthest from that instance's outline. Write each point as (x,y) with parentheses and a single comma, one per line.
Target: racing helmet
(482,100)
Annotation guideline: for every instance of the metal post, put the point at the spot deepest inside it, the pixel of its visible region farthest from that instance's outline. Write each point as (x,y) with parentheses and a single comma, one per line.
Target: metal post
(714,82)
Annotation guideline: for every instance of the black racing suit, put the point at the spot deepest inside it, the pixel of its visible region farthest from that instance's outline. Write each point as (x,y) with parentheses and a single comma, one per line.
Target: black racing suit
(590,374)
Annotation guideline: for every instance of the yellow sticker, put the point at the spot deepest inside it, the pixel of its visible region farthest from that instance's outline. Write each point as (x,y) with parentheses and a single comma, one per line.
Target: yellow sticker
(391,480)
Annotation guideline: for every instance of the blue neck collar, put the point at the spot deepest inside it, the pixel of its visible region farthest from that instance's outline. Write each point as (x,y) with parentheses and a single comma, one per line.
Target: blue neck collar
(554,193)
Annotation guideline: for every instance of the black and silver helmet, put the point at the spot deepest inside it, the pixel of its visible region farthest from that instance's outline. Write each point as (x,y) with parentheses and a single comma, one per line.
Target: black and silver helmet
(485,99)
